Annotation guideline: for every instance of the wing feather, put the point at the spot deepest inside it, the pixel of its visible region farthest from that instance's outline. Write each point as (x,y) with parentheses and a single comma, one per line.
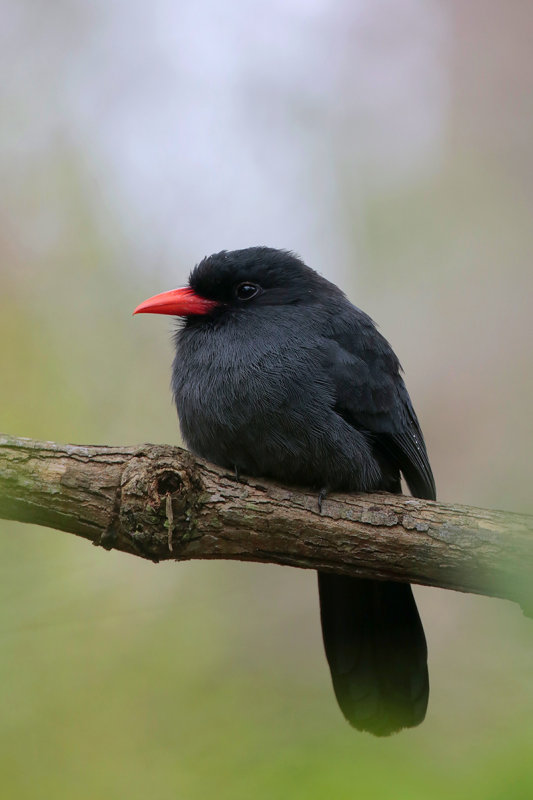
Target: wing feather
(371,395)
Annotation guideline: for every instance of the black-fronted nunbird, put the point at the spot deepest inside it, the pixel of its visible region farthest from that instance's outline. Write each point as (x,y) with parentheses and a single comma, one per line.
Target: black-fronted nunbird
(278,375)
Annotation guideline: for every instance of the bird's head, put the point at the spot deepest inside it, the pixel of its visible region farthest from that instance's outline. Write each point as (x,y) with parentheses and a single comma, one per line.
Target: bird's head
(255,276)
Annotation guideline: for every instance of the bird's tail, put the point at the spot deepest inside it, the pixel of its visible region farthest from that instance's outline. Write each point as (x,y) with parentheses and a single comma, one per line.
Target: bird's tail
(376,650)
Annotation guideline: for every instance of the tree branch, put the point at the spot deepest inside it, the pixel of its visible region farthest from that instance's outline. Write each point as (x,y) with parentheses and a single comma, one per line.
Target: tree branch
(159,502)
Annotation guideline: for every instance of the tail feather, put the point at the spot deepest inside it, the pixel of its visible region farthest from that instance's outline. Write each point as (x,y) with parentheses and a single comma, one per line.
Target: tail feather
(376,650)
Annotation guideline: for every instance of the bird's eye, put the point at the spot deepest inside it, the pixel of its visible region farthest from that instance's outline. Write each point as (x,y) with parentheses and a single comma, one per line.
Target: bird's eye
(245,291)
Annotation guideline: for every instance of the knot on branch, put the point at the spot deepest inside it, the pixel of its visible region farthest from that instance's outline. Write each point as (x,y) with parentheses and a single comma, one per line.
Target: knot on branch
(158,501)
(169,482)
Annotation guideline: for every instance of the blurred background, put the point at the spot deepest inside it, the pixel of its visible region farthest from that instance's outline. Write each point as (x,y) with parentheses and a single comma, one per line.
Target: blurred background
(390,144)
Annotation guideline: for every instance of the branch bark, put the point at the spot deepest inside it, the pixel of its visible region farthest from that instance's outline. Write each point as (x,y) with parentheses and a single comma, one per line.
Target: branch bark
(160,503)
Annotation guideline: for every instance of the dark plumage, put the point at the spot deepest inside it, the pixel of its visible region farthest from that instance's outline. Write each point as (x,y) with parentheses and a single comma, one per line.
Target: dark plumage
(281,376)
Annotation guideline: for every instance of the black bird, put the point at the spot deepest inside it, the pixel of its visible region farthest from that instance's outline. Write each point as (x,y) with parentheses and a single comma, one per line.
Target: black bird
(278,375)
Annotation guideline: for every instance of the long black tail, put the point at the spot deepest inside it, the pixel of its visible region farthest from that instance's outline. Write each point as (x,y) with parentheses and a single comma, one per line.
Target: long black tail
(376,650)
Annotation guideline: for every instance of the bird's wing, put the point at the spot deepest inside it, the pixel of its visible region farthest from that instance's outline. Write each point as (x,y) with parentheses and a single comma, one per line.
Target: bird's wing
(371,395)
(408,448)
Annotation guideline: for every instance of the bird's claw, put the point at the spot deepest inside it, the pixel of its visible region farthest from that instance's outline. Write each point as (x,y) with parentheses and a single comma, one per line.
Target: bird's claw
(323,493)
(236,475)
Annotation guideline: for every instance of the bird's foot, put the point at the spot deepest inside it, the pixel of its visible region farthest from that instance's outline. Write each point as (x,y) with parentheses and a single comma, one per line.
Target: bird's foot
(236,475)
(323,493)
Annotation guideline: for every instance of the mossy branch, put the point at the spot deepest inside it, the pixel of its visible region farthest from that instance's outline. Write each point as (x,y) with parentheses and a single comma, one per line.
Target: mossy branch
(160,503)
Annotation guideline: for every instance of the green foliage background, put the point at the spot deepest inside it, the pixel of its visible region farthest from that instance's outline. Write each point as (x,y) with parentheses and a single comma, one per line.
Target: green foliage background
(125,679)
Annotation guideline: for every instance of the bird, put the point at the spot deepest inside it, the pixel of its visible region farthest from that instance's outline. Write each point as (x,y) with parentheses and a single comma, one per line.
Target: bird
(277,375)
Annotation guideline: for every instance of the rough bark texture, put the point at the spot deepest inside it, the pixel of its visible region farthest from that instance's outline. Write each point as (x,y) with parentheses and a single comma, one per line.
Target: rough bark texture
(159,502)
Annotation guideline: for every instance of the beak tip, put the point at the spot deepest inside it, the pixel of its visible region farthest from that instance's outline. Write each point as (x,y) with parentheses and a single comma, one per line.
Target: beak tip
(177,303)
(141,308)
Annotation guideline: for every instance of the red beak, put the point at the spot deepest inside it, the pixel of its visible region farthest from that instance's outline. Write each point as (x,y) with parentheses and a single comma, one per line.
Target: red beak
(178,302)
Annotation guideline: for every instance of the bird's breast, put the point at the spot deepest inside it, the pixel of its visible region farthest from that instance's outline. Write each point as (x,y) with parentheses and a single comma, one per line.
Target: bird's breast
(236,393)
